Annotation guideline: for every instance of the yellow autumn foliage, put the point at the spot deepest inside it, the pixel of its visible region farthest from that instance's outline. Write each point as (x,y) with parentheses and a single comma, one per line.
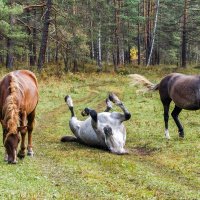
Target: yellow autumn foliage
(134,53)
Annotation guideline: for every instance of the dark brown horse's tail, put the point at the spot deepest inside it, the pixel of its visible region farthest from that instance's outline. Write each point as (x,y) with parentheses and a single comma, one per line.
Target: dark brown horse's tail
(137,79)
(155,87)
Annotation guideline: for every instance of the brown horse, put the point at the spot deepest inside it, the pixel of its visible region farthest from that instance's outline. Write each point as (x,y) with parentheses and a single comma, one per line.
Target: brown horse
(183,90)
(18,101)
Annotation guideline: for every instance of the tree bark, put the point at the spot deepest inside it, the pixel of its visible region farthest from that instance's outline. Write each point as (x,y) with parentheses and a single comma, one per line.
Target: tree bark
(92,42)
(10,42)
(45,32)
(184,36)
(33,45)
(138,39)
(148,31)
(116,57)
(99,61)
(154,33)
(57,46)
(75,68)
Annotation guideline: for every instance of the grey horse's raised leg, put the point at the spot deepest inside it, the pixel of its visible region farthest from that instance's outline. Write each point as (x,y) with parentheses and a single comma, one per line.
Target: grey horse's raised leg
(127,115)
(109,105)
(69,102)
(91,112)
(93,115)
(74,123)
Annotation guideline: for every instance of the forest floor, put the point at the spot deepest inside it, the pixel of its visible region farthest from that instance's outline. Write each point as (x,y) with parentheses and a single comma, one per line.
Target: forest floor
(153,169)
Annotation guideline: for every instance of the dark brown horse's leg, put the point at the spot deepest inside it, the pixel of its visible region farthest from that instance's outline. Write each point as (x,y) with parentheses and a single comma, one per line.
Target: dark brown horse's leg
(21,153)
(175,114)
(31,120)
(166,104)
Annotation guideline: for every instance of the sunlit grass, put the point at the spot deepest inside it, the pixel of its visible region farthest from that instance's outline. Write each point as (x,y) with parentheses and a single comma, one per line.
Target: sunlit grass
(154,169)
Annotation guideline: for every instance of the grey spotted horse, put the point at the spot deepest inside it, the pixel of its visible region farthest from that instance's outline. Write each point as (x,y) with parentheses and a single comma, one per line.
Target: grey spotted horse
(104,130)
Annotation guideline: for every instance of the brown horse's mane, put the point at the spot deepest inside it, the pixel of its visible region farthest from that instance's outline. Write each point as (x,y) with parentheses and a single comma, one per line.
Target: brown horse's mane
(10,108)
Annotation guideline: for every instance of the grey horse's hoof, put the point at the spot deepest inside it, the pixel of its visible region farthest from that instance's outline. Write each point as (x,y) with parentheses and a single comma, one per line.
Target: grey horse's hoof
(85,112)
(112,97)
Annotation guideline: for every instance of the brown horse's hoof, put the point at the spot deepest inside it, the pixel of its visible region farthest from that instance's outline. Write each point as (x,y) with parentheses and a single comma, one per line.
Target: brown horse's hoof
(30,153)
(21,155)
(6,158)
(12,162)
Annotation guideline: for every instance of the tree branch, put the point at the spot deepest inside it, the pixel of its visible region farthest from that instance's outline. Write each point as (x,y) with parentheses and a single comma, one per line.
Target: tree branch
(30,7)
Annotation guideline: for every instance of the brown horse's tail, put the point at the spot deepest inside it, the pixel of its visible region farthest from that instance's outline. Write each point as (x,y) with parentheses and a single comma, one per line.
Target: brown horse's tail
(137,79)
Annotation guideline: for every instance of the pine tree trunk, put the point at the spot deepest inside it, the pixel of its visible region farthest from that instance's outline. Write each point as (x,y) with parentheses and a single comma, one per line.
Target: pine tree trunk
(10,42)
(99,61)
(115,62)
(148,32)
(30,41)
(116,58)
(184,36)
(33,58)
(138,39)
(45,32)
(75,68)
(57,48)
(154,34)
(66,61)
(1,59)
(92,40)
(9,57)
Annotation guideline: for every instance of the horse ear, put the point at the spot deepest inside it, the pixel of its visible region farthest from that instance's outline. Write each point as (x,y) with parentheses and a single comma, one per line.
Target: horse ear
(22,128)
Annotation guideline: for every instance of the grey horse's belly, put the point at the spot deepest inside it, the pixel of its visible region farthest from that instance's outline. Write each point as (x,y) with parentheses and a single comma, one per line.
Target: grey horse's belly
(89,136)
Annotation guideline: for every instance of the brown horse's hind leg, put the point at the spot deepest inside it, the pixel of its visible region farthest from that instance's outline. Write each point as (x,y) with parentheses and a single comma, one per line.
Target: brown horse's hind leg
(175,114)
(23,130)
(31,120)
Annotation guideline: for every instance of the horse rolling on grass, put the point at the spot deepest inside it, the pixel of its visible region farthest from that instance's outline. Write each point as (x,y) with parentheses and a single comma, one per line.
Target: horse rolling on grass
(18,101)
(183,90)
(105,130)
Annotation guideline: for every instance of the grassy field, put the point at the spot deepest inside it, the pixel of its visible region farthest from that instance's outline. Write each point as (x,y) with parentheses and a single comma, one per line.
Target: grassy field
(154,169)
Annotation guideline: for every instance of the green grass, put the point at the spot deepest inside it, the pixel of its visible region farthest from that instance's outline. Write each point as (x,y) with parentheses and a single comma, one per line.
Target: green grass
(154,169)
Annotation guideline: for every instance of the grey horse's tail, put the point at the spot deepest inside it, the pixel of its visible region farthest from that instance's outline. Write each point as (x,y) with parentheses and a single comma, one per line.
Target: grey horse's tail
(137,79)
(68,138)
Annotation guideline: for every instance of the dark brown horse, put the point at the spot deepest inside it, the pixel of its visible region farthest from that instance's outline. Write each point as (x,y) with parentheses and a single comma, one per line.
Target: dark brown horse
(18,101)
(183,90)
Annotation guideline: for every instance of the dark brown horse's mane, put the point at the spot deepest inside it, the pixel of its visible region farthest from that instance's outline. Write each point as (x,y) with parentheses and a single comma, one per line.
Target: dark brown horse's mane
(10,108)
